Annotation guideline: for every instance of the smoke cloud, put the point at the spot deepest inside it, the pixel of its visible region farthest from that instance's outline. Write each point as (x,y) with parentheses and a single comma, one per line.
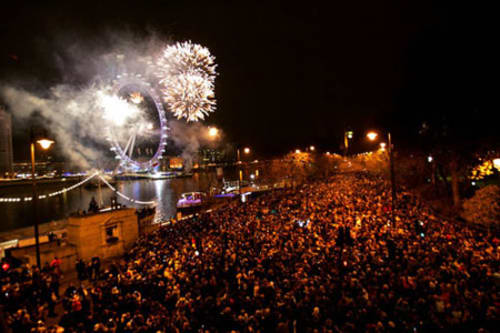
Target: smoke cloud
(79,109)
(79,119)
(190,137)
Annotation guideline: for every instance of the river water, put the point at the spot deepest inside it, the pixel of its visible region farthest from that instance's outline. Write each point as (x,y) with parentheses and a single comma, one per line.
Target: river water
(14,215)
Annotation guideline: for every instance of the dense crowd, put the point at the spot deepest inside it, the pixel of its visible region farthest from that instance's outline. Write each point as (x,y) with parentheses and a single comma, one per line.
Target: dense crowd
(325,257)
(29,295)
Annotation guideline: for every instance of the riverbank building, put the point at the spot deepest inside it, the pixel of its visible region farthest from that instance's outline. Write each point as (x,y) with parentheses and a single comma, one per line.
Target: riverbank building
(6,154)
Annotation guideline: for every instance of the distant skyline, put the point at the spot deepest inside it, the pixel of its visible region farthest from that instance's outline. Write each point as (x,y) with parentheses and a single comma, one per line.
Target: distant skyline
(290,74)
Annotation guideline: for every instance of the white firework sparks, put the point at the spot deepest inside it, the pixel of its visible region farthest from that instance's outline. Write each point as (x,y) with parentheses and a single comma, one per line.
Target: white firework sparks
(189,96)
(187,73)
(186,57)
(116,110)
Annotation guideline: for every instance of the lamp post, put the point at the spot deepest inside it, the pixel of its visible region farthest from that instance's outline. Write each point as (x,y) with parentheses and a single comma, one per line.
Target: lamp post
(45,144)
(390,148)
(347,136)
(213,135)
(246,150)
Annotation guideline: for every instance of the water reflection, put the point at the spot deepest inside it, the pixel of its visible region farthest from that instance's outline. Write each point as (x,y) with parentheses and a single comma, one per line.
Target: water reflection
(20,214)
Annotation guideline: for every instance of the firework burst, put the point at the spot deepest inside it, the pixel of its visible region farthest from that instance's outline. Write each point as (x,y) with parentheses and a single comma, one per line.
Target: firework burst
(189,96)
(136,98)
(186,57)
(187,74)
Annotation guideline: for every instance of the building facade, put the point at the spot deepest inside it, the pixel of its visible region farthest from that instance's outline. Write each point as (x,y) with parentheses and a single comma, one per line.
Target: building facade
(6,154)
(106,235)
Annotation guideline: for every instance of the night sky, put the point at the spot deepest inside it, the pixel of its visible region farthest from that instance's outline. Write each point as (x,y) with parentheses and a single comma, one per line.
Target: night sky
(295,74)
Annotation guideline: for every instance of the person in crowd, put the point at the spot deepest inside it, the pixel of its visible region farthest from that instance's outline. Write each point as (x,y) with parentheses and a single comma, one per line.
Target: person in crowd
(93,206)
(55,265)
(96,268)
(260,267)
(80,269)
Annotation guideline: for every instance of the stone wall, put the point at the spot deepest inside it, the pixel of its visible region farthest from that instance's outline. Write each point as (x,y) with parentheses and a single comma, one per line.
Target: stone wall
(107,234)
(48,251)
(148,225)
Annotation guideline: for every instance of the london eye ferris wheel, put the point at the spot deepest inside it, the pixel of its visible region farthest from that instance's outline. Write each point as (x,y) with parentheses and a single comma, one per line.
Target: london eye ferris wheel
(140,142)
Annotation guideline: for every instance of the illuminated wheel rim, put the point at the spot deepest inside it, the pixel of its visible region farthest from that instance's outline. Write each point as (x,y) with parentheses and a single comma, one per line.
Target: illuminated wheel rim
(145,88)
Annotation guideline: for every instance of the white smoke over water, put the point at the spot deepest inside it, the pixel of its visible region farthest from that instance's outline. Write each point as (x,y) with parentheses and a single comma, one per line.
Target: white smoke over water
(78,118)
(79,109)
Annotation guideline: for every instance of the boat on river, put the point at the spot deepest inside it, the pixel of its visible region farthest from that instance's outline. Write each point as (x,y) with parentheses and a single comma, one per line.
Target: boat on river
(191,200)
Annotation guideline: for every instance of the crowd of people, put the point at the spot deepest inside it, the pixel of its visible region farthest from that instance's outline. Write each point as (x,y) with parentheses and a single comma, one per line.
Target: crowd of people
(29,296)
(325,257)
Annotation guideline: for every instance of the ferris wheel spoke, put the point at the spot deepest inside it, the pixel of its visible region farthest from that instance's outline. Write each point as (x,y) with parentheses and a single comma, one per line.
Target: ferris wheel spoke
(127,145)
(131,151)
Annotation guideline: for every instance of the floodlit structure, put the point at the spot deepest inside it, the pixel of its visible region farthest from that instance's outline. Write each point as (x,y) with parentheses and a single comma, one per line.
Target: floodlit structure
(6,156)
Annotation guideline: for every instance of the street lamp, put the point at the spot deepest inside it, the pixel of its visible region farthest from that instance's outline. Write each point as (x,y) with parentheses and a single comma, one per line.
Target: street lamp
(246,150)
(213,132)
(347,136)
(45,144)
(372,136)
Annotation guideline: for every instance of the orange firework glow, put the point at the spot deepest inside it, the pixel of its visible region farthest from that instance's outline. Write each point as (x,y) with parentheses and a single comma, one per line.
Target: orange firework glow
(136,97)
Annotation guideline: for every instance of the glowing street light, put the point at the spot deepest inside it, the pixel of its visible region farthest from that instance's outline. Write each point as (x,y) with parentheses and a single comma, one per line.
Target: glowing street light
(311,148)
(246,151)
(371,136)
(213,132)
(297,151)
(347,136)
(45,144)
(429,159)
